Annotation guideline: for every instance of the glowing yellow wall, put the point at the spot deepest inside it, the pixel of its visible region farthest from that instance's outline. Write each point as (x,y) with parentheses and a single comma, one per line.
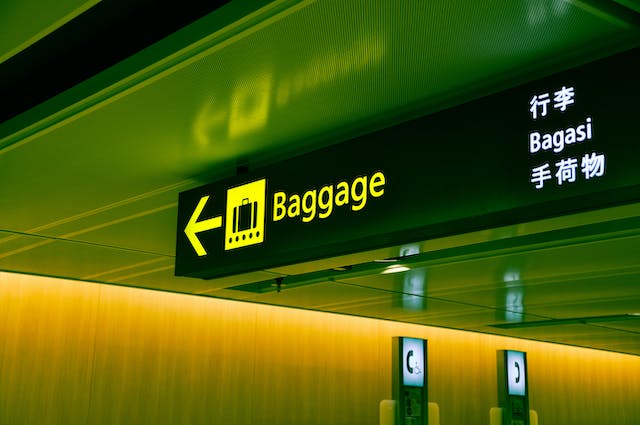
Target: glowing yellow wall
(79,353)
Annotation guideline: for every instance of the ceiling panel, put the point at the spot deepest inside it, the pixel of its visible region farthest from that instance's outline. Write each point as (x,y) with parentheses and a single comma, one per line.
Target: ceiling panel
(12,243)
(322,295)
(584,265)
(24,22)
(625,325)
(578,334)
(61,258)
(147,230)
(421,310)
(141,205)
(475,319)
(561,299)
(161,276)
(627,304)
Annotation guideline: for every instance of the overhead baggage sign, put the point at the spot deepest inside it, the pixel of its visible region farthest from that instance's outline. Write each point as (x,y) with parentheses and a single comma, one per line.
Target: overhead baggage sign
(560,145)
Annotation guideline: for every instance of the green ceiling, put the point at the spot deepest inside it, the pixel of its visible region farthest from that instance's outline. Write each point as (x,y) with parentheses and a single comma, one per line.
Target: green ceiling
(90,177)
(24,22)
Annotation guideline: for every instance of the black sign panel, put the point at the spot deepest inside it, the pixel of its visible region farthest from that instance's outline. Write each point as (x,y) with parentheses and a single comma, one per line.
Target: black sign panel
(559,145)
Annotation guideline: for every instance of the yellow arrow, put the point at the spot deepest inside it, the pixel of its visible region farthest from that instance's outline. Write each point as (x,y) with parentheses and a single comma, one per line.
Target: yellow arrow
(194,226)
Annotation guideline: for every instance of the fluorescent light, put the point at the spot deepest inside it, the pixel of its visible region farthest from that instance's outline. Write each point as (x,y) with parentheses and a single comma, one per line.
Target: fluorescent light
(395,269)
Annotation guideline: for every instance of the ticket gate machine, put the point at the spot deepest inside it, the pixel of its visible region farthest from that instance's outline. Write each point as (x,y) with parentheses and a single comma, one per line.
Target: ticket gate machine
(513,393)
(410,381)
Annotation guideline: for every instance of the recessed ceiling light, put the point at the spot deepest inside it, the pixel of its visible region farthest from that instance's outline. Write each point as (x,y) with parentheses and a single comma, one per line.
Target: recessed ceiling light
(395,269)
(342,268)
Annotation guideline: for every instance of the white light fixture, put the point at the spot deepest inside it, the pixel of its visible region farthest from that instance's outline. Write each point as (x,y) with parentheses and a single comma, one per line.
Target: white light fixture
(396,268)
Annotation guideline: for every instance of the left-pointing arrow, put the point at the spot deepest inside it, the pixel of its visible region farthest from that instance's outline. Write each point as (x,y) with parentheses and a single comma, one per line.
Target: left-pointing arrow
(194,226)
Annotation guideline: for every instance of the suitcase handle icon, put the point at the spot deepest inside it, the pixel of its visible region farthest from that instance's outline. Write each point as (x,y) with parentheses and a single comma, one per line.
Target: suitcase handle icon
(244,216)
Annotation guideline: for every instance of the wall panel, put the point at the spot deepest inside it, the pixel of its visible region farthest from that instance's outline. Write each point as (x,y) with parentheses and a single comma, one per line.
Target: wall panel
(47,333)
(80,353)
